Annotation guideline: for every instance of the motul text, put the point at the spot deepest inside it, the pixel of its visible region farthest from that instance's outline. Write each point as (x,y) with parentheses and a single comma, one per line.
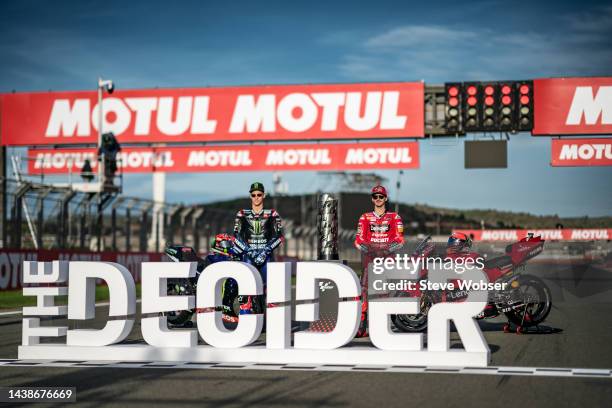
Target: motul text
(403,155)
(565,234)
(573,106)
(217,114)
(581,152)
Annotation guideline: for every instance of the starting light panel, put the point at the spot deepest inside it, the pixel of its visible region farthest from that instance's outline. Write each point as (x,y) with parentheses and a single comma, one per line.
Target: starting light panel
(504,106)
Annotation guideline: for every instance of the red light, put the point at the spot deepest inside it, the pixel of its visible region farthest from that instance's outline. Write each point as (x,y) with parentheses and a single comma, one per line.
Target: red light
(110,116)
(453,101)
(506,90)
(489,90)
(471,100)
(471,90)
(506,100)
(524,100)
(489,100)
(453,91)
(524,89)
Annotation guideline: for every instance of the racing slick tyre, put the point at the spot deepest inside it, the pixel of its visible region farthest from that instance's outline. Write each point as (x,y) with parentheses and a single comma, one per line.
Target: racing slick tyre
(535,299)
(413,323)
(180,317)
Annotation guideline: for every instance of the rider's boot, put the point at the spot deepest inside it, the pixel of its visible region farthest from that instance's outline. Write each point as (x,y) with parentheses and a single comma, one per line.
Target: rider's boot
(246,304)
(363,325)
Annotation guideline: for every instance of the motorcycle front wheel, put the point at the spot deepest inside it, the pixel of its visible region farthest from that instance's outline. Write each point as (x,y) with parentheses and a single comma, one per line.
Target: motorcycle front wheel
(179,317)
(413,323)
(535,299)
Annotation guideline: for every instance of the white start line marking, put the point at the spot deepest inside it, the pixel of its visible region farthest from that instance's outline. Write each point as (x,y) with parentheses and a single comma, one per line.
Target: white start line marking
(501,370)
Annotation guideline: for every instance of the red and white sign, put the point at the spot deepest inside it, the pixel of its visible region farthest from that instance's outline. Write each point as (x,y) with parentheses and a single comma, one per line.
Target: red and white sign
(582,152)
(11,261)
(572,106)
(341,156)
(566,234)
(288,112)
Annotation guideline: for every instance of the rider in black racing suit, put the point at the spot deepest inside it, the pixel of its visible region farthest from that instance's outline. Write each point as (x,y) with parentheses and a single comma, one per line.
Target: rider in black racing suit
(262,232)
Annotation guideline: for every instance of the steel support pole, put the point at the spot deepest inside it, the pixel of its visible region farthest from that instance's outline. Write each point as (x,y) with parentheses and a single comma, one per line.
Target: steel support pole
(62,230)
(143,231)
(144,226)
(100,224)
(170,219)
(114,207)
(196,219)
(114,229)
(16,223)
(85,208)
(40,221)
(18,213)
(184,216)
(128,225)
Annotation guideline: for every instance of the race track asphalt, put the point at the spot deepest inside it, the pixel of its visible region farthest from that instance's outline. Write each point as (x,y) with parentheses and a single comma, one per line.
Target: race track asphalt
(581,337)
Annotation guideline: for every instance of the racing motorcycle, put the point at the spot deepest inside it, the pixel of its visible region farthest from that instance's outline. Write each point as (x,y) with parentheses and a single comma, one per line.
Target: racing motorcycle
(224,248)
(526,301)
(183,287)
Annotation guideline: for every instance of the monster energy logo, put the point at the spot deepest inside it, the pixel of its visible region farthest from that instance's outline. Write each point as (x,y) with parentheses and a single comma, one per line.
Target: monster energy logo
(257,227)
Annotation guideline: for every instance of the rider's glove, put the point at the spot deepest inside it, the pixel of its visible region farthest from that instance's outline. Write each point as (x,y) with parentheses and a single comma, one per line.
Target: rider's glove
(262,256)
(364,248)
(261,259)
(252,254)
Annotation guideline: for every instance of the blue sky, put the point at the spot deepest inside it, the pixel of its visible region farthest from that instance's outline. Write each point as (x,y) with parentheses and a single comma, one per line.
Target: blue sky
(67,45)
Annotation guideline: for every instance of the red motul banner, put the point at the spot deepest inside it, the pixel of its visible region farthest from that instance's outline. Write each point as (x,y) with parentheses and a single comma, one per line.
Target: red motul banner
(349,156)
(572,106)
(11,261)
(566,234)
(288,112)
(582,152)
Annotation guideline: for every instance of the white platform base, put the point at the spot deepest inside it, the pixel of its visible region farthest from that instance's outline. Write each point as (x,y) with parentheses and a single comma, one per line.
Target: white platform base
(255,354)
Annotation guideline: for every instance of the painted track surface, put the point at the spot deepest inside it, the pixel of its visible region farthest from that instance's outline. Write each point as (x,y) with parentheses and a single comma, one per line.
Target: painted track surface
(582,314)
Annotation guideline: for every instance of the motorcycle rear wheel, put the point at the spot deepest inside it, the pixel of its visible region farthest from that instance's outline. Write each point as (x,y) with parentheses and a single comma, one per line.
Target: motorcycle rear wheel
(537,299)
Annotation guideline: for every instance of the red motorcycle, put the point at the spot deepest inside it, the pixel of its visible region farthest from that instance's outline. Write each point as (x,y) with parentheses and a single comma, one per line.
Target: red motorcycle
(526,301)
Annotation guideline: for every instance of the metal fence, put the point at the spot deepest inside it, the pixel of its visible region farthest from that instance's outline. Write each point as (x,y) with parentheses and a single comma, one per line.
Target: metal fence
(41,216)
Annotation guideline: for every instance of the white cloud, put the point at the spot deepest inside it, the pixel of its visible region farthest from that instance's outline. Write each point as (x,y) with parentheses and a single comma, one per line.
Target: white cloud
(440,53)
(599,21)
(417,35)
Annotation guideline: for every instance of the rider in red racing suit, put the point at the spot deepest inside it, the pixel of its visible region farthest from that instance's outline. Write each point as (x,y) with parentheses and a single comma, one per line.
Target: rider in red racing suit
(379,233)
